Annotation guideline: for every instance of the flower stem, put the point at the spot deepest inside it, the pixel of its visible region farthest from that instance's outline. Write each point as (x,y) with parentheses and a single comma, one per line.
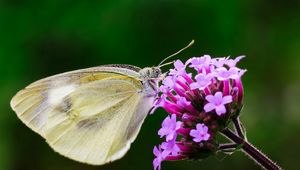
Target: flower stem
(237,126)
(228,146)
(251,151)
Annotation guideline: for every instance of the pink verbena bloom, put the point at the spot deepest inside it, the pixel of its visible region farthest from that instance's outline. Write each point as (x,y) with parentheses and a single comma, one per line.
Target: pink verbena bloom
(203,80)
(168,83)
(200,95)
(169,127)
(160,156)
(170,147)
(217,102)
(223,73)
(179,67)
(200,62)
(201,133)
(219,62)
(233,62)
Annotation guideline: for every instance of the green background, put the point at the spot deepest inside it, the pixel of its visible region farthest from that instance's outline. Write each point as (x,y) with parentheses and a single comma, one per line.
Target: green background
(39,38)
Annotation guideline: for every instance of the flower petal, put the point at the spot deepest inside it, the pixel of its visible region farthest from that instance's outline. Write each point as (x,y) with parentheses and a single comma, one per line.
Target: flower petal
(194,133)
(220,110)
(218,96)
(178,64)
(227,99)
(209,107)
(210,98)
(206,137)
(194,86)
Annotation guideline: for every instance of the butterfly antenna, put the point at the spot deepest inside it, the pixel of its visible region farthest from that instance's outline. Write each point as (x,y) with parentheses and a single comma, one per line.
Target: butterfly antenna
(190,44)
(165,64)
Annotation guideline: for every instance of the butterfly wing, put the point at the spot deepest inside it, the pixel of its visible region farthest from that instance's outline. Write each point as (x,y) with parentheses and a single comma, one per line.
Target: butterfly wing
(91,115)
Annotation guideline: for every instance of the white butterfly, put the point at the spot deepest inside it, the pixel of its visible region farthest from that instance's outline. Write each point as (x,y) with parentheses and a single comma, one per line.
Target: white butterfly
(90,115)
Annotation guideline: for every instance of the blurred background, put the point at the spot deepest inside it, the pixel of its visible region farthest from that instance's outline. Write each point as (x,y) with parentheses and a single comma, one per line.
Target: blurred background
(39,38)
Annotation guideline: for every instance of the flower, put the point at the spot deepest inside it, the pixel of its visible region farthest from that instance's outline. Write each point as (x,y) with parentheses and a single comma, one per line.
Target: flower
(231,73)
(169,127)
(232,63)
(182,102)
(159,158)
(203,80)
(217,102)
(199,62)
(167,84)
(157,103)
(170,147)
(201,133)
(219,62)
(179,67)
(197,94)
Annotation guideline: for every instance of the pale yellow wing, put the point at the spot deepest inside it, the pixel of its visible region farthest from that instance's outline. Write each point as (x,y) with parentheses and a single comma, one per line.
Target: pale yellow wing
(91,117)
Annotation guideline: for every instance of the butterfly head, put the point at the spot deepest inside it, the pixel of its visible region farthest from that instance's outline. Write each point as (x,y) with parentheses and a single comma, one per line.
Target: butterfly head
(150,73)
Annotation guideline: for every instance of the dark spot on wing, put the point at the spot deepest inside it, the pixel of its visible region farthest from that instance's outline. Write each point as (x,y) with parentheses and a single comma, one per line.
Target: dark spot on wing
(86,123)
(95,122)
(65,106)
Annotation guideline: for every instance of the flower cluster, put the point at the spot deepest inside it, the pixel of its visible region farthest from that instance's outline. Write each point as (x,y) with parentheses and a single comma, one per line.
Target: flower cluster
(201,96)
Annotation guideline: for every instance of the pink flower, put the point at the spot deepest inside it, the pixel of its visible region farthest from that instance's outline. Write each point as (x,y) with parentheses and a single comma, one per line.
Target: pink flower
(169,127)
(223,73)
(160,156)
(182,102)
(199,62)
(179,68)
(232,62)
(158,103)
(203,80)
(201,133)
(167,83)
(188,93)
(217,102)
(219,62)
(170,147)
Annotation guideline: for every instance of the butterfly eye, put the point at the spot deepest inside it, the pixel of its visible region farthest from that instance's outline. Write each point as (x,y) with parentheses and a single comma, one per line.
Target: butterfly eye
(156,72)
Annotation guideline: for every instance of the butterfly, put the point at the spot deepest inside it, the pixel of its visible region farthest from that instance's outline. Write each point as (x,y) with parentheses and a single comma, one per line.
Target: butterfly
(90,115)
